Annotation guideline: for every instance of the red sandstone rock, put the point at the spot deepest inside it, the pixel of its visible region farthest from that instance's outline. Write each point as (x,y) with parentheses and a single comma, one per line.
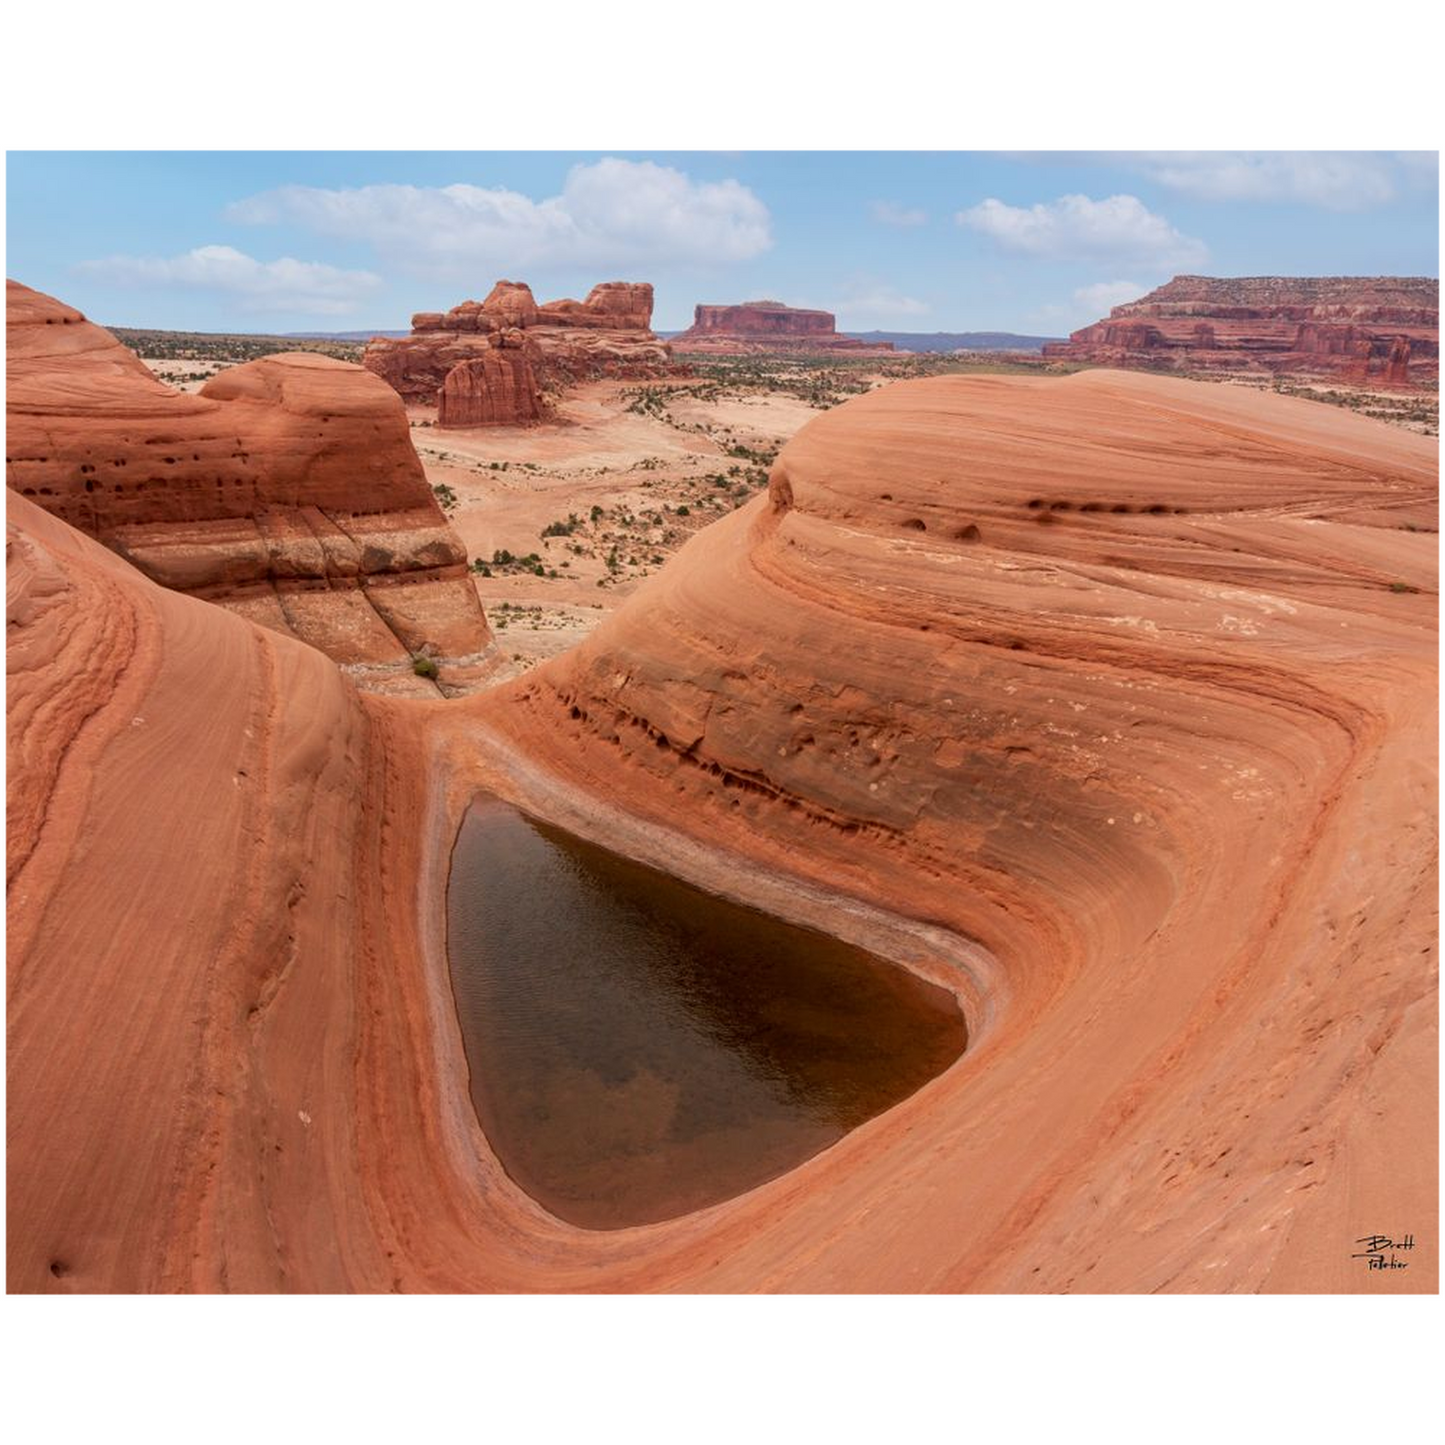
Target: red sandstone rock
(768,326)
(511,302)
(608,334)
(1184,815)
(497,388)
(1368,330)
(618,305)
(288,490)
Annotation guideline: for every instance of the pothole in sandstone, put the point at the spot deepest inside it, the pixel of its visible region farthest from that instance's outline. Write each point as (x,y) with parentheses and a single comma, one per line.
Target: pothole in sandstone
(639,1048)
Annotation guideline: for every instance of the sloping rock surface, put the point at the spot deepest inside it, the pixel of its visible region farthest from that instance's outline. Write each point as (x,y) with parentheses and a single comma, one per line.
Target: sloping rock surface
(287,490)
(1111,700)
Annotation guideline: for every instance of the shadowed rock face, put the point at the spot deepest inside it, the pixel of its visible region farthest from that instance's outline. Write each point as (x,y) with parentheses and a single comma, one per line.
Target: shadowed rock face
(498,388)
(566,341)
(1378,331)
(768,326)
(288,490)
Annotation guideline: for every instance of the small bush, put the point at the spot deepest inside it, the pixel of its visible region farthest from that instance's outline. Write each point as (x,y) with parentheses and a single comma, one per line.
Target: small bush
(423,666)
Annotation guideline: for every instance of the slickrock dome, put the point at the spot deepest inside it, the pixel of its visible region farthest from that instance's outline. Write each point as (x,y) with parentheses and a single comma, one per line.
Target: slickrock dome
(287,490)
(1114,695)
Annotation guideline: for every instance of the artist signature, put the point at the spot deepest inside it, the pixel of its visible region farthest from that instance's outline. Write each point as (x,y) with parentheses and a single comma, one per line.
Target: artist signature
(1379,1251)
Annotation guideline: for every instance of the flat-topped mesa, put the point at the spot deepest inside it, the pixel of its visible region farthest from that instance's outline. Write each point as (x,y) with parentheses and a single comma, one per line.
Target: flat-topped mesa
(768,326)
(763,318)
(566,341)
(287,490)
(1365,330)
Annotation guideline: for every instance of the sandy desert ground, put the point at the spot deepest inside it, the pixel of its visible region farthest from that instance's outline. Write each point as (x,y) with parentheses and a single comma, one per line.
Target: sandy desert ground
(655,479)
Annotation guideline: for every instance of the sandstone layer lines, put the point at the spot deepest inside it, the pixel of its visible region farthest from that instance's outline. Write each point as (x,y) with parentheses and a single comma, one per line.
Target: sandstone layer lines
(1110,698)
(287,489)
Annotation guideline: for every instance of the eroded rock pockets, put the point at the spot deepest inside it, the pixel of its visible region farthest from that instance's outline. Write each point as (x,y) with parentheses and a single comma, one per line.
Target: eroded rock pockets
(287,490)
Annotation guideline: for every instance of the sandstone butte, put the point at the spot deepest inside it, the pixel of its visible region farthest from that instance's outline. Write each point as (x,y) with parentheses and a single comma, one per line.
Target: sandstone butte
(496,362)
(1109,698)
(765,326)
(1376,331)
(288,490)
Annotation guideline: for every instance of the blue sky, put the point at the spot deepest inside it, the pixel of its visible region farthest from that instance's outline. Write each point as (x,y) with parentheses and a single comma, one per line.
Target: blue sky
(911,241)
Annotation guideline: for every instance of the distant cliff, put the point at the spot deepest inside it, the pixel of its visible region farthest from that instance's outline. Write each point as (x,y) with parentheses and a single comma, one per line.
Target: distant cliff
(953,340)
(767,326)
(1366,330)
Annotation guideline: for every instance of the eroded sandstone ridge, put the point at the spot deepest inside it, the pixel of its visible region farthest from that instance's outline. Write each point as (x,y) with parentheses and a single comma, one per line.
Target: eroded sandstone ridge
(288,490)
(495,362)
(760,326)
(1367,331)
(1129,680)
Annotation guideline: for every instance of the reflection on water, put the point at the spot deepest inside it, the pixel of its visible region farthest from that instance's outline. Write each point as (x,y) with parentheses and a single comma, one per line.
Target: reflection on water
(639,1048)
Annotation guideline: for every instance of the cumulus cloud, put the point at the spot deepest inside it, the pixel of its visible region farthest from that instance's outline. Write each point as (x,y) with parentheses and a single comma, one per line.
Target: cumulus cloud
(1117,228)
(866,303)
(890,213)
(610,214)
(1086,304)
(1101,298)
(1335,180)
(284,285)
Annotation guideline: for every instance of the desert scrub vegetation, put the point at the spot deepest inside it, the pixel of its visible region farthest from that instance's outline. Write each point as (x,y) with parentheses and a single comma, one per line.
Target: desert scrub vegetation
(227,349)
(507,564)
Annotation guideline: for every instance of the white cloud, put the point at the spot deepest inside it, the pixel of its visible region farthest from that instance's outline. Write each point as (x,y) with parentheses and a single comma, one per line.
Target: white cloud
(1336,180)
(611,214)
(1118,228)
(284,285)
(866,303)
(1101,298)
(890,213)
(1086,305)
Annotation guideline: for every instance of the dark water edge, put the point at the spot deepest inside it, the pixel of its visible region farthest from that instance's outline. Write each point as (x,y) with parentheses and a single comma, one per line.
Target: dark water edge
(640,1048)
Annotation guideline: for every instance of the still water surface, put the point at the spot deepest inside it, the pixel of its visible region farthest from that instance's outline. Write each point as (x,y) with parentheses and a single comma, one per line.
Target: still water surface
(639,1048)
